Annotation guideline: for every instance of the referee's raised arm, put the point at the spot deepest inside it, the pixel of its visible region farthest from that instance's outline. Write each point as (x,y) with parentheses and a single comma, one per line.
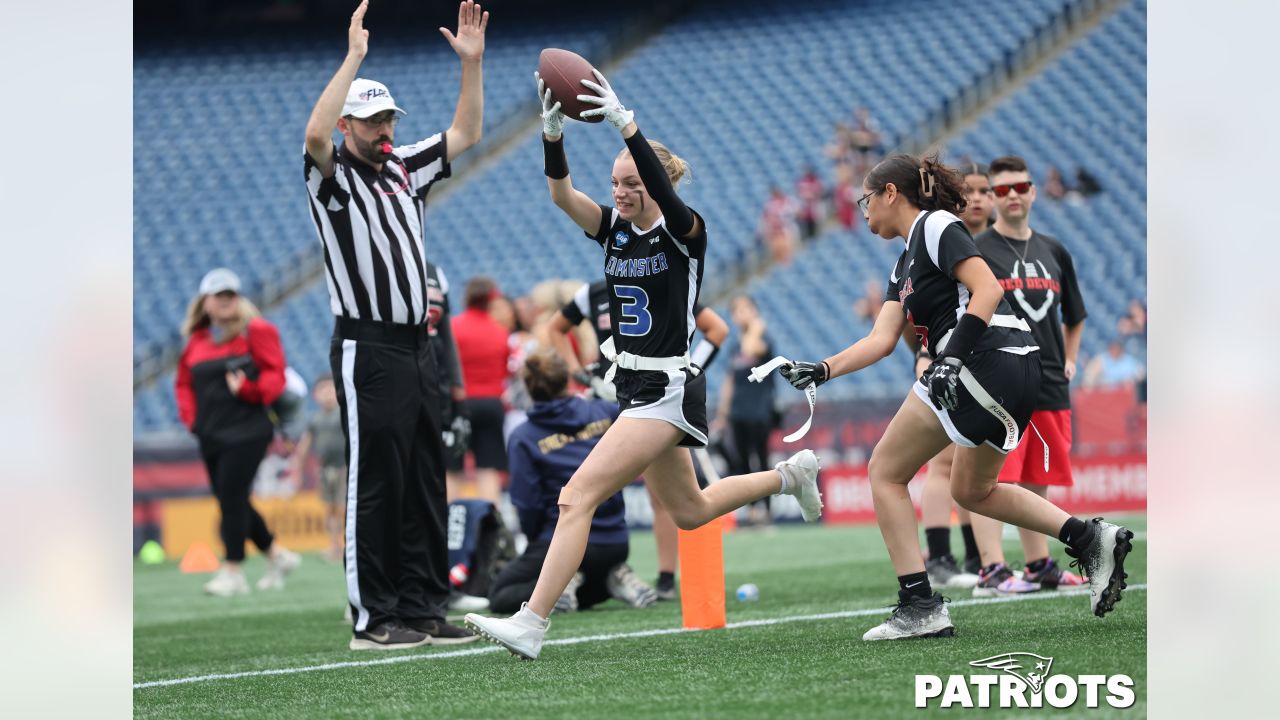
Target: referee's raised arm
(324,117)
(468,118)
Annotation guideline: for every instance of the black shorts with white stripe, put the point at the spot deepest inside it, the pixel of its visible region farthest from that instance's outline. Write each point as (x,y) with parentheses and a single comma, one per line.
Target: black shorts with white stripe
(675,396)
(1013,380)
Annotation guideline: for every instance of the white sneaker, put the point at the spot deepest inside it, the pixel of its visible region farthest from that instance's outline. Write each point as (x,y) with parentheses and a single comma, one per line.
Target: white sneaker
(801,471)
(521,634)
(468,603)
(227,583)
(278,567)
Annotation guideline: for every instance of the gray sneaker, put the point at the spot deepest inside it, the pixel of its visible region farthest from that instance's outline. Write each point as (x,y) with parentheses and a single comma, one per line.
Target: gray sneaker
(625,585)
(915,617)
(944,572)
(389,635)
(1102,562)
(568,601)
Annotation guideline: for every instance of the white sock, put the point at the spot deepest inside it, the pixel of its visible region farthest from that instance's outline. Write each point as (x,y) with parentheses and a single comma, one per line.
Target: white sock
(526,609)
(786,482)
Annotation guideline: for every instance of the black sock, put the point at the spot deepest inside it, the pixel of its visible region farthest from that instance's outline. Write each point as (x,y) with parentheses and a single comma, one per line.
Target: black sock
(914,585)
(1076,533)
(1036,566)
(666,578)
(939,541)
(970,545)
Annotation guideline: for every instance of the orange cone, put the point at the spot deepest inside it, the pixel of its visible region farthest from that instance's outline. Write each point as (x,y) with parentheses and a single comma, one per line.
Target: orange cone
(702,576)
(730,521)
(198,559)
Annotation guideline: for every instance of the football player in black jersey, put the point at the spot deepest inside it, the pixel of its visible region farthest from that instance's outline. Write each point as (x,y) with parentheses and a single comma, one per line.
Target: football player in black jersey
(978,392)
(654,247)
(591,303)
(936,501)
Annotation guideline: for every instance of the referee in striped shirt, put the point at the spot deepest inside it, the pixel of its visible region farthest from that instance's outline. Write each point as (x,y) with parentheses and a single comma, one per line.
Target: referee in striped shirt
(367,200)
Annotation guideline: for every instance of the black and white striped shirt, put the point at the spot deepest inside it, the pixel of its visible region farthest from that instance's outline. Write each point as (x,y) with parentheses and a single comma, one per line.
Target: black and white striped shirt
(370,226)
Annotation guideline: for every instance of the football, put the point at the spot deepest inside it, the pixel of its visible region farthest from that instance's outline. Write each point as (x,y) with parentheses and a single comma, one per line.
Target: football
(563,72)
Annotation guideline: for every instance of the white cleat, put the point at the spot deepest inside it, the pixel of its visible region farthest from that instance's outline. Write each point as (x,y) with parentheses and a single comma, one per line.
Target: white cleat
(278,568)
(1102,562)
(521,634)
(227,583)
(801,471)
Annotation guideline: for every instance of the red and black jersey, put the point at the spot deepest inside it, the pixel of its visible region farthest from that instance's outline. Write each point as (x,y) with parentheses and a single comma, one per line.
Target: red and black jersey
(653,279)
(206,404)
(1039,280)
(933,299)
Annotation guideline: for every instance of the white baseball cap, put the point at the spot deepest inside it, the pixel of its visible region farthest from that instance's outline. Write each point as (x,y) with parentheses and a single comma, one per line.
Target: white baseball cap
(218,280)
(368,97)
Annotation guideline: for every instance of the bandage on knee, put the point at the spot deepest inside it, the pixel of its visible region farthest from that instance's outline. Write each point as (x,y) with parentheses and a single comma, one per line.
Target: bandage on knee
(570,496)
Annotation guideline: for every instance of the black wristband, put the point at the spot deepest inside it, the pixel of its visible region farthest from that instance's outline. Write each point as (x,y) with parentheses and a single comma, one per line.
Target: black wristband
(964,336)
(554,163)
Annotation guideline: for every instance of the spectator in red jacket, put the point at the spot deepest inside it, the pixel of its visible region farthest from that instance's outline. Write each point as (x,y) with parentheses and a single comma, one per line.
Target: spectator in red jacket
(483,351)
(230,372)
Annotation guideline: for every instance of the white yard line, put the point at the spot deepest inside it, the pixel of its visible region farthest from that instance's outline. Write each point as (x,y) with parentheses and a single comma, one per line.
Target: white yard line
(596,638)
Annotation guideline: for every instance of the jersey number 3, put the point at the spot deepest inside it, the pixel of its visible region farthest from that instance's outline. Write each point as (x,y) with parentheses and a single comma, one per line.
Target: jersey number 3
(636,320)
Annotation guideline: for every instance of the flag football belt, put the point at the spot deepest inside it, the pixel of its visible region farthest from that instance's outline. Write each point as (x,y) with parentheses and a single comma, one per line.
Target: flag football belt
(1009,321)
(761,373)
(631,361)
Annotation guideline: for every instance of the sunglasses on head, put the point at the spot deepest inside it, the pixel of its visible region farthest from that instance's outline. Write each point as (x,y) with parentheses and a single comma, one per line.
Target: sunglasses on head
(1022,188)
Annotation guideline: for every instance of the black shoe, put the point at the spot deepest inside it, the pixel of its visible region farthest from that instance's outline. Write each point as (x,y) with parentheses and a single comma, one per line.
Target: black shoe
(665,588)
(1102,562)
(390,635)
(441,633)
(973,565)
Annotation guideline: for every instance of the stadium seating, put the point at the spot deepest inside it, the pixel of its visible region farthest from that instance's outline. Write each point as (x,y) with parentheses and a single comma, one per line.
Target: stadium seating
(1087,108)
(749,97)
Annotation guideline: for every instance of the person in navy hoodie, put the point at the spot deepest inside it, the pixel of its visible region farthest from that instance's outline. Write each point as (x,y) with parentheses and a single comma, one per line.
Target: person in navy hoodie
(543,453)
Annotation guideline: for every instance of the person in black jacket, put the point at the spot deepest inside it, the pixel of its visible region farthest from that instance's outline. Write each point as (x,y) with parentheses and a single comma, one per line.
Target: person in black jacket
(231,370)
(544,452)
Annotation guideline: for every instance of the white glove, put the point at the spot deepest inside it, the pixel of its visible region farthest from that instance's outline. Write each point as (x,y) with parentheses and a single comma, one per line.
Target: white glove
(610,106)
(552,118)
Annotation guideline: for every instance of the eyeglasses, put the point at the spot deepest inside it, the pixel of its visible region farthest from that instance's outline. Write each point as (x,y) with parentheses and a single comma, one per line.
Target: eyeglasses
(378,120)
(865,201)
(1022,188)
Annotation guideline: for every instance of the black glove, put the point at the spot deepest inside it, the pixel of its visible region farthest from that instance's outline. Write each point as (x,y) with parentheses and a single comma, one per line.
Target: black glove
(800,374)
(942,379)
(457,437)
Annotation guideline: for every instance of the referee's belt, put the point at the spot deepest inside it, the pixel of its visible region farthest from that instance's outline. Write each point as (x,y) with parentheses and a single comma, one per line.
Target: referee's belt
(631,361)
(380,332)
(1009,321)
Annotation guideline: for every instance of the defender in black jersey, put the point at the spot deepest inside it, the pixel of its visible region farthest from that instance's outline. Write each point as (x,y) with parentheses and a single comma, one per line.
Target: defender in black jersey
(454,417)
(1039,281)
(936,501)
(591,302)
(978,392)
(654,247)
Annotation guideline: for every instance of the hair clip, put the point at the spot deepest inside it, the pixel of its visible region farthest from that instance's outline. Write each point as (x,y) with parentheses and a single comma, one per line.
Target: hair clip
(926,183)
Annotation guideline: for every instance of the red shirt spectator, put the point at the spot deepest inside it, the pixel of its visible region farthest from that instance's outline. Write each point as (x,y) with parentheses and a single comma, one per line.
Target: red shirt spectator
(205,403)
(482,345)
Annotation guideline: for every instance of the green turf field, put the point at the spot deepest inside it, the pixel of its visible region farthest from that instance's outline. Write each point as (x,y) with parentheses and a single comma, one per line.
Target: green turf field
(799,666)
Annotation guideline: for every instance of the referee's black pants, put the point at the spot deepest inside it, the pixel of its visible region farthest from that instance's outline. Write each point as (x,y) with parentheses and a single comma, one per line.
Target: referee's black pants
(396,555)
